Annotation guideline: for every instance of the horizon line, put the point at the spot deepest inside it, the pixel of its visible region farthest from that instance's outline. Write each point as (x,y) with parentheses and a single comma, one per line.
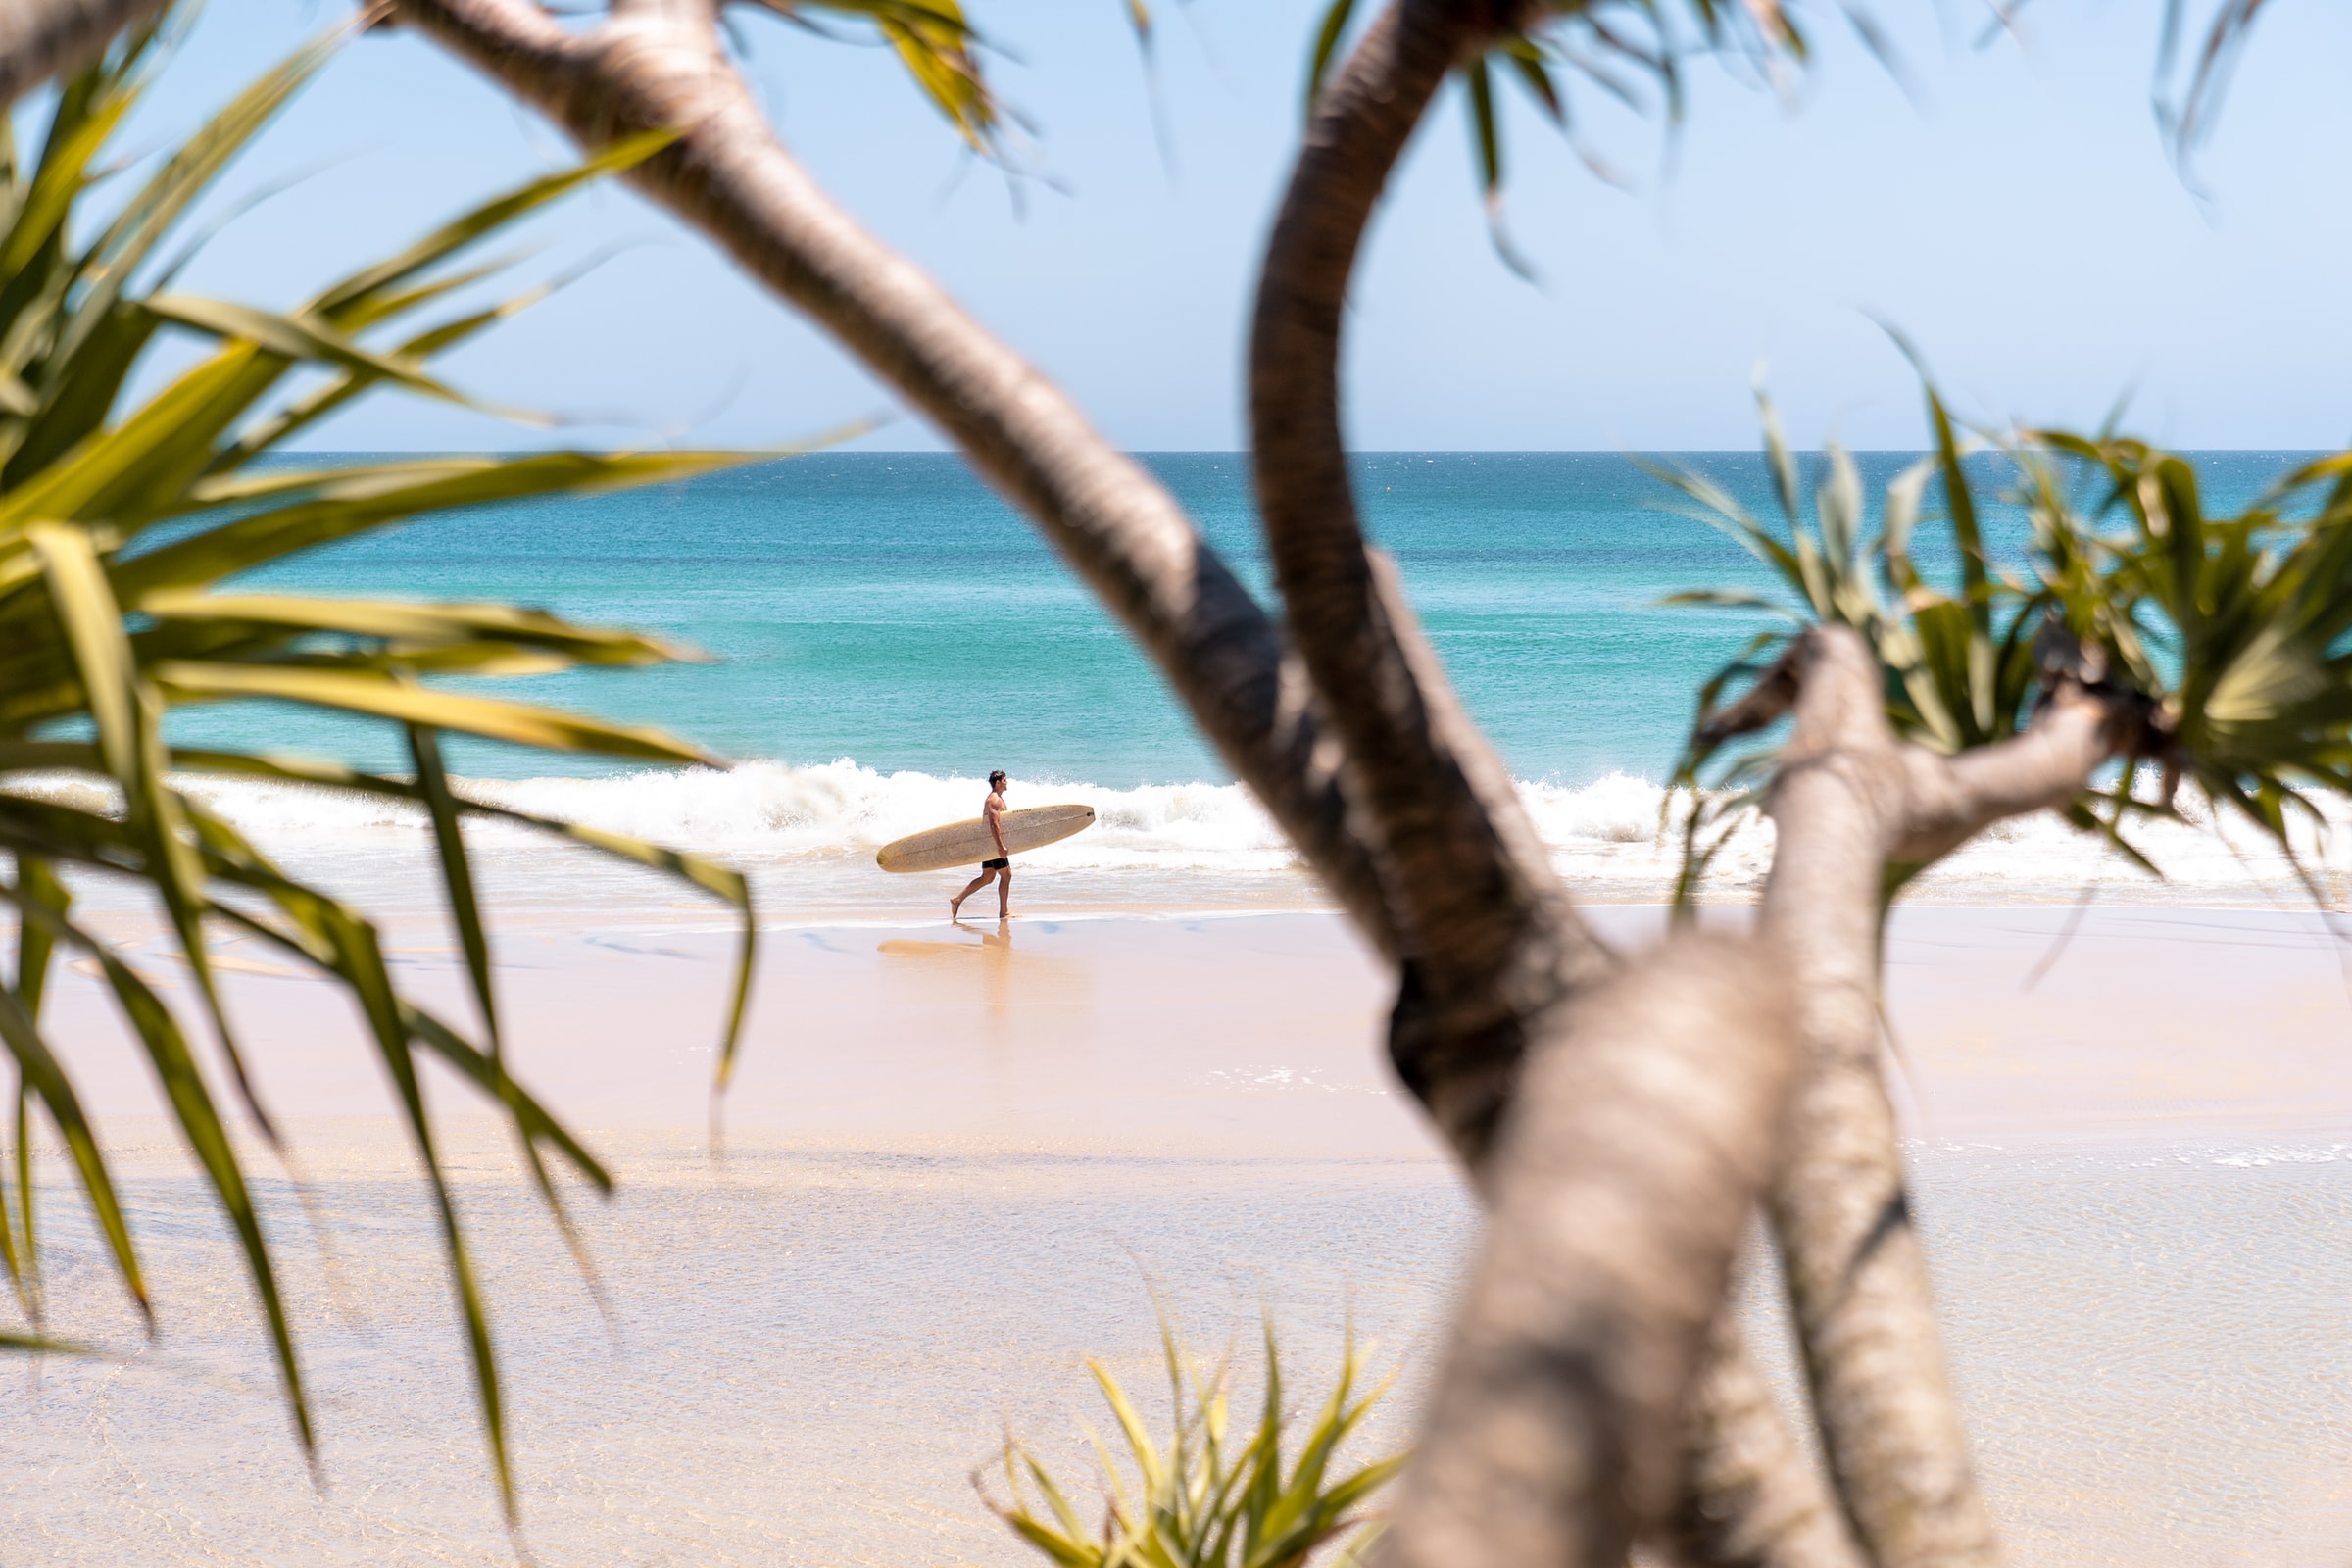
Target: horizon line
(1234,452)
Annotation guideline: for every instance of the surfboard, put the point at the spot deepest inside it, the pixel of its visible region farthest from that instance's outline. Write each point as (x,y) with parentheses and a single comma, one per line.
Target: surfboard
(967,842)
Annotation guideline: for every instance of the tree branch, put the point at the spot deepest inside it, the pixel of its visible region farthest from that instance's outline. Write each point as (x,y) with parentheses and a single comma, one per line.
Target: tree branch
(1490,940)
(1486,931)
(1759,708)
(1847,799)
(1857,1280)
(1750,1496)
(44,38)
(1951,800)
(656,64)
(1648,1119)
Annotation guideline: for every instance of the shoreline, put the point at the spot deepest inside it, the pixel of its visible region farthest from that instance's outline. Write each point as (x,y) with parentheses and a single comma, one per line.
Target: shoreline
(806,835)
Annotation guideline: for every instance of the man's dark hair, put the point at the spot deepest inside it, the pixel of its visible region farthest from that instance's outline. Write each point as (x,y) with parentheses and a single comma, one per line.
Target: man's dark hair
(995,777)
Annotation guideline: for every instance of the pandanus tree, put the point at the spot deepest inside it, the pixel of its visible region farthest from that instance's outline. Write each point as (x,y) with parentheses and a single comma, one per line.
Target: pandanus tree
(1621,1115)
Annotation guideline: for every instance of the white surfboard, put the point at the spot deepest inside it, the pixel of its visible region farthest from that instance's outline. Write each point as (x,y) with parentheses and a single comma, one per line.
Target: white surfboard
(967,842)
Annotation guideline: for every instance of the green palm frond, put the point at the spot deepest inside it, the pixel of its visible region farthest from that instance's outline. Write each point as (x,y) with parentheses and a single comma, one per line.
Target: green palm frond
(1958,659)
(1634,51)
(1210,1497)
(2235,626)
(2233,634)
(103,631)
(935,43)
(2185,109)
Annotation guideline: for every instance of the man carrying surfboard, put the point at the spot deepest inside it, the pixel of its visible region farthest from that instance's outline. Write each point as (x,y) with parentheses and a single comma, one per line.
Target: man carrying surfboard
(953,846)
(1000,869)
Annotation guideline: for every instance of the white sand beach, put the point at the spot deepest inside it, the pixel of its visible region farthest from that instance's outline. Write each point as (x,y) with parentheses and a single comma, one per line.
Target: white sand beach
(956,1161)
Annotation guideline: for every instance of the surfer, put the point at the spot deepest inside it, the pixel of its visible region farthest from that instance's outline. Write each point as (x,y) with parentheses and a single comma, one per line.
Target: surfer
(1000,869)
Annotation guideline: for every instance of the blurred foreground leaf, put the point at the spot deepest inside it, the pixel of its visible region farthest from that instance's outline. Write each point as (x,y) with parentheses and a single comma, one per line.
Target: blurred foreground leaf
(103,635)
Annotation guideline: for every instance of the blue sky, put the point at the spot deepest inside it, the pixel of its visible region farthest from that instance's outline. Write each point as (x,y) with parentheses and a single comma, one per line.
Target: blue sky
(2019,221)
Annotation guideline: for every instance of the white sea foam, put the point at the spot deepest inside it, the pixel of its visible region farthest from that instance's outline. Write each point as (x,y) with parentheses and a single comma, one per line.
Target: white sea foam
(1605,836)
(766,809)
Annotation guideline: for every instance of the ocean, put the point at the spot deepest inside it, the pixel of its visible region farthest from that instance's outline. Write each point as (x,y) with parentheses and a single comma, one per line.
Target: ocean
(884,631)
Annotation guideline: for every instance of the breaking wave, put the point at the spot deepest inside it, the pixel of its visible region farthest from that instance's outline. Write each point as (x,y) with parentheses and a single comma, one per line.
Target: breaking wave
(1604,836)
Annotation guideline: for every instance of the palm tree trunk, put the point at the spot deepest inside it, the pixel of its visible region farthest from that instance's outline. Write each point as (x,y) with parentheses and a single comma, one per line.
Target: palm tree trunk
(1485,933)
(1489,940)
(1857,1278)
(1750,1497)
(1846,799)
(1647,1121)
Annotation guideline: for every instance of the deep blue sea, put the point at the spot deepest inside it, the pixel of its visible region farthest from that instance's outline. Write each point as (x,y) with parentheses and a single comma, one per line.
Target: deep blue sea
(887,608)
(890,610)
(884,632)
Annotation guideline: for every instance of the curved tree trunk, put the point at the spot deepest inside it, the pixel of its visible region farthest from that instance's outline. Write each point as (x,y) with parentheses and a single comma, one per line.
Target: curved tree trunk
(1846,799)
(1489,941)
(1623,1179)
(1750,1497)
(1857,1278)
(1484,931)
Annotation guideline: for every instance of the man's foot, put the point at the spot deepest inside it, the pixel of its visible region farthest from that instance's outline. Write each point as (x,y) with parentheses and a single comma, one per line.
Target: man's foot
(954,910)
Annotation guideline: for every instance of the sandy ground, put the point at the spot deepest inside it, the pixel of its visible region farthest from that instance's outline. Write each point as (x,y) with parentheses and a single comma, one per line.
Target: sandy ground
(1260,1035)
(955,1156)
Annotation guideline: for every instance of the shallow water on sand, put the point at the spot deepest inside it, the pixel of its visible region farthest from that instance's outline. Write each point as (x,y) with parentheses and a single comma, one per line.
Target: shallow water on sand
(2153,1349)
(809,1354)
(806,1359)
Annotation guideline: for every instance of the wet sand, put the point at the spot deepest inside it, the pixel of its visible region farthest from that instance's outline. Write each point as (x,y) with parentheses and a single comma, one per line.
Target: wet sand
(954,1157)
(1258,1036)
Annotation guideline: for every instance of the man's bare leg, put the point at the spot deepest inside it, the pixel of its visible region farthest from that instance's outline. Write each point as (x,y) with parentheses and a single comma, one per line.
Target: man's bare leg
(955,904)
(1004,894)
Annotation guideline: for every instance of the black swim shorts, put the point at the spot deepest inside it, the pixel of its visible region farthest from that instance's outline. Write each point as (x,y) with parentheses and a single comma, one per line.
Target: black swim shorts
(996,865)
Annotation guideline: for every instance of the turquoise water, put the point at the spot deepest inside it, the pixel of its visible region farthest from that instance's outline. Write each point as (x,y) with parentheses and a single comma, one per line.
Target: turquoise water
(888,609)
(885,632)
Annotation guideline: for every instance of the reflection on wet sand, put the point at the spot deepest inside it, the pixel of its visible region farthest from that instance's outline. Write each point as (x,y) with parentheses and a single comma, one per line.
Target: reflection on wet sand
(1006,980)
(1000,942)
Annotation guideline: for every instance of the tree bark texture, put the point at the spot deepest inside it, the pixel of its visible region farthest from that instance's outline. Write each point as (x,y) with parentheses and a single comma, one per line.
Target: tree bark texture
(44,38)
(1847,798)
(1484,931)
(1647,1119)
(1750,1497)
(1487,938)
(657,65)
